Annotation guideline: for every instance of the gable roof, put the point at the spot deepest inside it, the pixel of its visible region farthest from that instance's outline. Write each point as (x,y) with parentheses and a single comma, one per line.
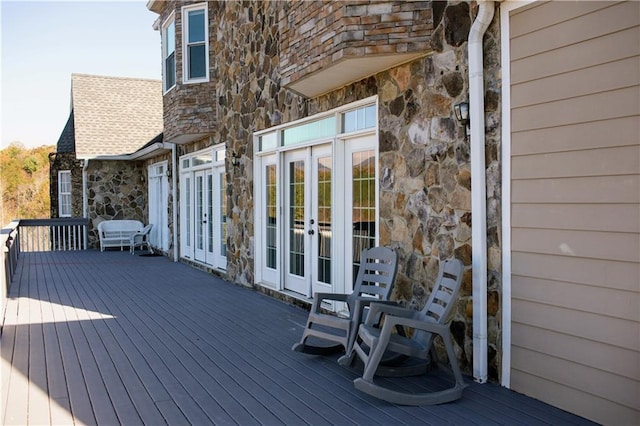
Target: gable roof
(67,143)
(114,115)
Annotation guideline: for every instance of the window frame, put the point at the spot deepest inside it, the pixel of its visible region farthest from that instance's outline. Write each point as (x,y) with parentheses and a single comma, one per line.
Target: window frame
(186,79)
(62,193)
(171,20)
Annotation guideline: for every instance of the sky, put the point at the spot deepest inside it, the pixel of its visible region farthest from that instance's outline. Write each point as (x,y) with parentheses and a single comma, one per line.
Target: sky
(44,42)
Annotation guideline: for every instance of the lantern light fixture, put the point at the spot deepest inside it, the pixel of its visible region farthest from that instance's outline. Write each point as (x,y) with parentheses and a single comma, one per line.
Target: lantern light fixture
(462,115)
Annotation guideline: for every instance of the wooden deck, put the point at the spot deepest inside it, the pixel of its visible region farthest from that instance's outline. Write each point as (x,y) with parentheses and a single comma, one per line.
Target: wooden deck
(109,338)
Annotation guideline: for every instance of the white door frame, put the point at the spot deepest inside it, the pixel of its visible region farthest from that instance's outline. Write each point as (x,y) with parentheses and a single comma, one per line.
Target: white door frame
(321,233)
(201,220)
(297,231)
(158,192)
(219,218)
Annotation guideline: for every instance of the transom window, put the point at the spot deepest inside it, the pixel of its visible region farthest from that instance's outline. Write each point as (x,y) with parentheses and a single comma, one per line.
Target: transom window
(195,43)
(326,126)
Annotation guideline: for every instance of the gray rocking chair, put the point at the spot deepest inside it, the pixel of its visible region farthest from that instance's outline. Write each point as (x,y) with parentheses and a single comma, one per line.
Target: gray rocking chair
(373,342)
(375,278)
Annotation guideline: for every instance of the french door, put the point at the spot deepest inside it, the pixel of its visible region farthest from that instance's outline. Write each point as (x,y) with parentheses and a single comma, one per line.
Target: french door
(203,220)
(316,200)
(360,203)
(203,209)
(308,201)
(159,205)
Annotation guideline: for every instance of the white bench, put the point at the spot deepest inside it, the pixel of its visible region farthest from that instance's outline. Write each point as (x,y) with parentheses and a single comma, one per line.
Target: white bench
(117,233)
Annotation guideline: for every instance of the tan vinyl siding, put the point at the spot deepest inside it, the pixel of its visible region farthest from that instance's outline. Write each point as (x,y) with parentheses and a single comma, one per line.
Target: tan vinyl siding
(575,212)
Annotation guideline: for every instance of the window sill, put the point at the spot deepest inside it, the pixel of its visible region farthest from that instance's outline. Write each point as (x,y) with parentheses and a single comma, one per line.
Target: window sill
(196,81)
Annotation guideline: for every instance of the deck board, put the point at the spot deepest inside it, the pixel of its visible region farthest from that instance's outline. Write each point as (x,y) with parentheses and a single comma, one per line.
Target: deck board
(95,337)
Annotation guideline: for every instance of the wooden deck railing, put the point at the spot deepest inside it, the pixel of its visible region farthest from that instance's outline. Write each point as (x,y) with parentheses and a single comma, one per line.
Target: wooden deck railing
(53,234)
(30,235)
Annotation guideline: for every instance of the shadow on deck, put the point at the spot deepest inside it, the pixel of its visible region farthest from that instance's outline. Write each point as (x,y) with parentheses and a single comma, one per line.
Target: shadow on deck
(110,338)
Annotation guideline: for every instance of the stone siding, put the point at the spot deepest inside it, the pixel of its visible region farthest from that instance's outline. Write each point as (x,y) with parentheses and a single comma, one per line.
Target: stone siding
(316,34)
(115,190)
(425,179)
(190,109)
(60,161)
(250,98)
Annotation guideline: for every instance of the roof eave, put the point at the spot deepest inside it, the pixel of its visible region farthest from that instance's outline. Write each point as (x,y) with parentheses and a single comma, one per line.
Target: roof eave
(154,6)
(143,154)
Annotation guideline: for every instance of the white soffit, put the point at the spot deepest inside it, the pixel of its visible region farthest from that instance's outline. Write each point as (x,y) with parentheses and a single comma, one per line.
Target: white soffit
(348,71)
(186,138)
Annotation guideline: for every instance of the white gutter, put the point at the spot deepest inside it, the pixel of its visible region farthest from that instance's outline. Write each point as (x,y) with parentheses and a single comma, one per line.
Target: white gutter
(174,200)
(478,189)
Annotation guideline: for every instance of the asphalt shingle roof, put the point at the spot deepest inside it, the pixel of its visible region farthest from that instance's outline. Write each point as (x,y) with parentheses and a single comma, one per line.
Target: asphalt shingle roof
(114,115)
(66,143)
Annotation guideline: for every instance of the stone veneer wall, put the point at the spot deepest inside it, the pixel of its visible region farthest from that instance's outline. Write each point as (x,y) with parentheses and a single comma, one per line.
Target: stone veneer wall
(189,108)
(59,161)
(315,34)
(115,190)
(424,155)
(425,178)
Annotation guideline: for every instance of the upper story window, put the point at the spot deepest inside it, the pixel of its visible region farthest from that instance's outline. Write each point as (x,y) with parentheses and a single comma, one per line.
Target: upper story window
(195,35)
(169,53)
(64,193)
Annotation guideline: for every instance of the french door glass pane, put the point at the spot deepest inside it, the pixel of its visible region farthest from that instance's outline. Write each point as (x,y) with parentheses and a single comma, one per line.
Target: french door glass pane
(271,208)
(324,219)
(364,204)
(209,215)
(188,210)
(199,212)
(296,218)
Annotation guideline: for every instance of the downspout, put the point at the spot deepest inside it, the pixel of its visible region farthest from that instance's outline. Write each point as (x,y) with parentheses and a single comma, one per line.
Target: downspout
(478,189)
(174,200)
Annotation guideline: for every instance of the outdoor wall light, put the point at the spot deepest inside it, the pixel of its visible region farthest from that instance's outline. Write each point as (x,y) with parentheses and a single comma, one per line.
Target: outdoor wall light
(235,160)
(462,114)
(168,172)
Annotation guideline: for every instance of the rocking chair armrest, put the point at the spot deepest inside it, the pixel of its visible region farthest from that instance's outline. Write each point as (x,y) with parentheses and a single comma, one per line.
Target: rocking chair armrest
(319,297)
(363,301)
(418,324)
(393,310)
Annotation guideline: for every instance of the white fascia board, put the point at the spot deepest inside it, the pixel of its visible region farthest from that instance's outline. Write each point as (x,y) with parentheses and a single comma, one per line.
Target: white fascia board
(148,152)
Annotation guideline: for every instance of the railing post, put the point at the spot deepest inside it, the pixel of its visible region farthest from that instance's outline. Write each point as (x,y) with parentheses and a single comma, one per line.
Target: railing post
(9,245)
